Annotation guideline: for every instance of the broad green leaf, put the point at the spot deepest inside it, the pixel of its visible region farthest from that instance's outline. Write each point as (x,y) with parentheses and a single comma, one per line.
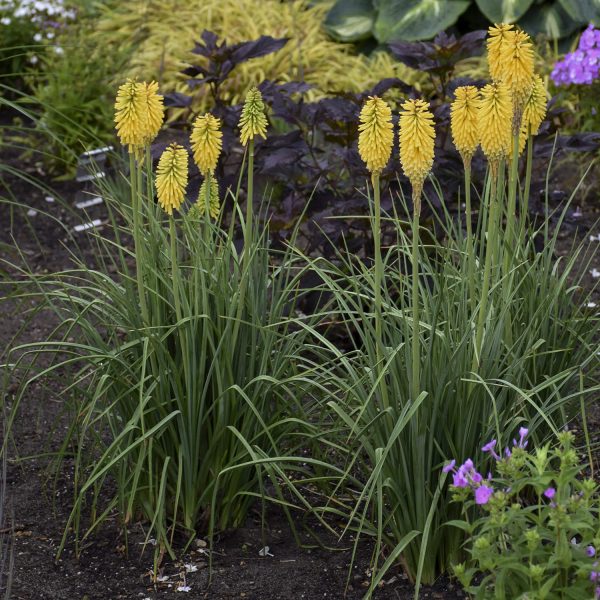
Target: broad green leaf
(549,19)
(350,20)
(413,20)
(504,11)
(583,11)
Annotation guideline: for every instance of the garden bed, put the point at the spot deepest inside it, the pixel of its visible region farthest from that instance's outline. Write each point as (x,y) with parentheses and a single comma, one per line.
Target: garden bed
(39,506)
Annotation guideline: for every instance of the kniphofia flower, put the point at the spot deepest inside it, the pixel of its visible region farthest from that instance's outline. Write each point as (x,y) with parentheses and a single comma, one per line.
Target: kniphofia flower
(534,111)
(253,121)
(417,137)
(463,121)
(155,111)
(172,177)
(206,140)
(376,135)
(131,114)
(498,35)
(517,63)
(214,202)
(495,123)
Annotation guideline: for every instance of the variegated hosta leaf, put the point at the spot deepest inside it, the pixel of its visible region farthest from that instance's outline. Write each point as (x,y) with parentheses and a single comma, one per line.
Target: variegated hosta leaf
(504,11)
(413,20)
(351,20)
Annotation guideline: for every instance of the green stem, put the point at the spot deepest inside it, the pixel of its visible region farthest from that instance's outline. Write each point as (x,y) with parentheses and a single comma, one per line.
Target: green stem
(377,284)
(245,265)
(174,267)
(511,209)
(416,336)
(139,257)
(249,200)
(526,191)
(470,248)
(490,253)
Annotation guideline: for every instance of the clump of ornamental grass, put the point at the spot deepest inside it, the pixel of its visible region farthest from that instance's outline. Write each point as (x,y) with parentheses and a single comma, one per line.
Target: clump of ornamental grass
(444,353)
(184,373)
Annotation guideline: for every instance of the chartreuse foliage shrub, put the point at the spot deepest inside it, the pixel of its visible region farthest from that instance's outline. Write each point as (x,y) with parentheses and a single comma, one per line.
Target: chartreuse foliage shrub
(536,530)
(162,35)
(185,366)
(451,342)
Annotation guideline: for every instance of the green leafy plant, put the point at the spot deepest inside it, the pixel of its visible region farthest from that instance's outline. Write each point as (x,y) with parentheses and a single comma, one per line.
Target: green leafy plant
(539,531)
(70,98)
(184,389)
(411,20)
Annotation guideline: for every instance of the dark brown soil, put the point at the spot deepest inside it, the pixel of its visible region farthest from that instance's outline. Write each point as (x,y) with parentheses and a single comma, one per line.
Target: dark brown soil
(39,507)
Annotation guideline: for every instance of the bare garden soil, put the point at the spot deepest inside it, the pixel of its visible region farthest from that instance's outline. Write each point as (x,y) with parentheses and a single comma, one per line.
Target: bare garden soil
(38,506)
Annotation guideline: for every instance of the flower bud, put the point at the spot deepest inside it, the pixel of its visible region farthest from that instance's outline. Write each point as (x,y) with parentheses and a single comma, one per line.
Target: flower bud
(206,141)
(253,121)
(463,121)
(172,177)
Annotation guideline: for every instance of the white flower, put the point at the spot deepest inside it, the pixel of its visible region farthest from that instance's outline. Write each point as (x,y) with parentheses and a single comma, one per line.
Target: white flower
(5,20)
(184,588)
(58,50)
(37,37)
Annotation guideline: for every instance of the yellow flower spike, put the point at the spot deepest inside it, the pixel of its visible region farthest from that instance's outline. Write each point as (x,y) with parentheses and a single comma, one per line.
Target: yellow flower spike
(155,111)
(516,55)
(131,114)
(464,113)
(199,208)
(207,141)
(172,177)
(253,121)
(534,111)
(376,134)
(495,123)
(498,35)
(417,136)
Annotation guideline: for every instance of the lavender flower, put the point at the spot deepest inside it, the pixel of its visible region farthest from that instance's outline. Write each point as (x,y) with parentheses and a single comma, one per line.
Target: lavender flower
(590,551)
(449,467)
(550,493)
(489,447)
(483,494)
(582,66)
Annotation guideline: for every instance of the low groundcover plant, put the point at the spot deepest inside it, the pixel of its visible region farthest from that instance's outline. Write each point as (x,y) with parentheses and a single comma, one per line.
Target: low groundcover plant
(539,532)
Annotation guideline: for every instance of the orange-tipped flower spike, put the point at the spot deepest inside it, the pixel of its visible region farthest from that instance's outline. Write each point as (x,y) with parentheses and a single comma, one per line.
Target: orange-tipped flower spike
(172,177)
(417,137)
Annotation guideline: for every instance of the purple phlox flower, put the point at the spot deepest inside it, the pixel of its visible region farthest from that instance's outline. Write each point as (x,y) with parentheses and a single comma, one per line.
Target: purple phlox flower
(590,551)
(483,494)
(476,477)
(459,480)
(467,465)
(507,453)
(550,493)
(598,592)
(489,447)
(449,467)
(523,431)
(594,575)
